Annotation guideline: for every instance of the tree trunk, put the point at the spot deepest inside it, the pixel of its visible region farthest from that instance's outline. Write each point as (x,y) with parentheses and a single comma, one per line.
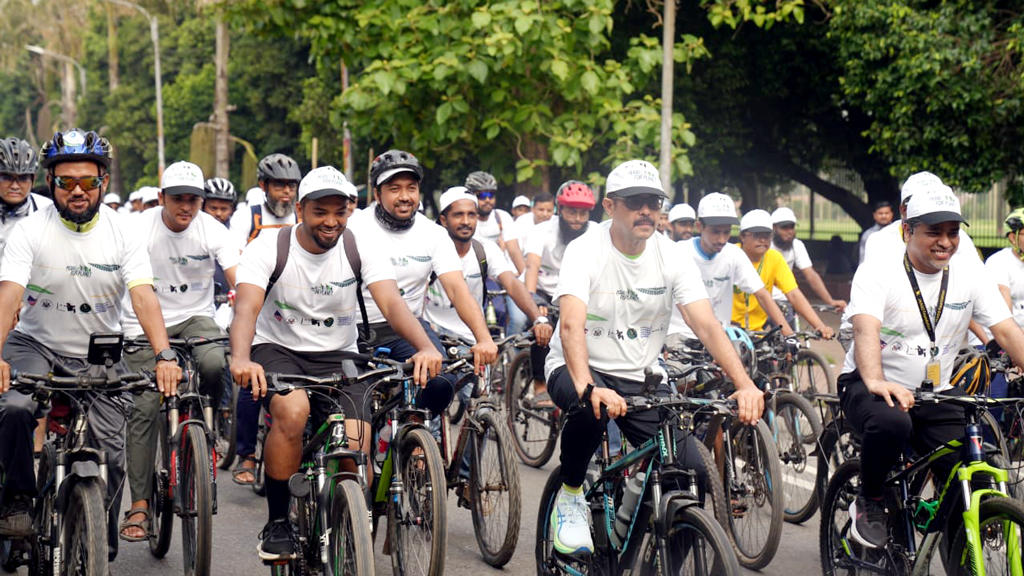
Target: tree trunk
(113,81)
(222,146)
(536,150)
(69,105)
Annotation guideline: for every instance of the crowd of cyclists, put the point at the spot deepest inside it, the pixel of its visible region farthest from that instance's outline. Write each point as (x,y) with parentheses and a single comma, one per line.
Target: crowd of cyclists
(315,285)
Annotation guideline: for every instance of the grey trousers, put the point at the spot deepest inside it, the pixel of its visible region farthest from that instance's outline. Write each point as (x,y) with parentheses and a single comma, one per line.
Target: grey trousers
(142,426)
(18,414)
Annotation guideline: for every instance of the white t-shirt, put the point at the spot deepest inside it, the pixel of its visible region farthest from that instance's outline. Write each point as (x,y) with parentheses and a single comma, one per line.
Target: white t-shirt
(719,272)
(74,281)
(183,265)
(1007,270)
(313,306)
(544,240)
(889,241)
(796,257)
(881,289)
(241,221)
(862,251)
(438,309)
(490,229)
(414,253)
(520,228)
(629,302)
(33,203)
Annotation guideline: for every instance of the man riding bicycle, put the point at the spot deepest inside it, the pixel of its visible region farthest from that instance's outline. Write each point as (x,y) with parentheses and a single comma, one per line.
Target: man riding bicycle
(910,313)
(18,165)
(303,321)
(74,267)
(618,285)
(793,250)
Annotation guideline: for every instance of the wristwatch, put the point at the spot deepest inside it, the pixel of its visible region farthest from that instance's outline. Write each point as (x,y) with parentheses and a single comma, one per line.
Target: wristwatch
(541,320)
(167,355)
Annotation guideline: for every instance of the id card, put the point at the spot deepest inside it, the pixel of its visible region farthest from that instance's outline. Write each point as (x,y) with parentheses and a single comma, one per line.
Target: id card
(933,371)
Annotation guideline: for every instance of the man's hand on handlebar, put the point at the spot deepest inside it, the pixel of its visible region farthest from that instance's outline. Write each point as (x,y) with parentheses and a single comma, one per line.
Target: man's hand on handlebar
(248,373)
(749,403)
(892,393)
(168,374)
(426,365)
(543,333)
(826,332)
(607,397)
(484,353)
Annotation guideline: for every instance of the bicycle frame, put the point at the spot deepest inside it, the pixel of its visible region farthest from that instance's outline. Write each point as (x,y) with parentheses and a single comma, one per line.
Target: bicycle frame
(398,409)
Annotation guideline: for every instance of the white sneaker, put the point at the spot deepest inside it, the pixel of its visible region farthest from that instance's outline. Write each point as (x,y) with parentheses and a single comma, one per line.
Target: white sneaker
(570,523)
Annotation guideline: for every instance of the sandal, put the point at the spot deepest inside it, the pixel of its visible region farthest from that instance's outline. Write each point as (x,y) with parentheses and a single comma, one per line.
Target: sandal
(240,469)
(541,401)
(141,524)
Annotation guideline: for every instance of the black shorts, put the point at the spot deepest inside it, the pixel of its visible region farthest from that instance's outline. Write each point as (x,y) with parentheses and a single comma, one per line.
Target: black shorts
(352,397)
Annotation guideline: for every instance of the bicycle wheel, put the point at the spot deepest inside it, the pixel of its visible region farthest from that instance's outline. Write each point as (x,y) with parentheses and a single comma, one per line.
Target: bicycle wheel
(161,507)
(40,561)
(835,446)
(226,431)
(696,545)
(714,489)
(796,428)
(85,530)
(991,429)
(494,489)
(456,409)
(349,547)
(812,374)
(753,487)
(544,549)
(534,431)
(196,488)
(1001,525)
(418,522)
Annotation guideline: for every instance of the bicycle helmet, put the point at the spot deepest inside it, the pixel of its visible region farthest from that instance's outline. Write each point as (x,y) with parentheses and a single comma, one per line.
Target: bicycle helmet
(479,181)
(575,194)
(17,157)
(744,347)
(1014,221)
(75,145)
(392,163)
(971,371)
(220,189)
(278,167)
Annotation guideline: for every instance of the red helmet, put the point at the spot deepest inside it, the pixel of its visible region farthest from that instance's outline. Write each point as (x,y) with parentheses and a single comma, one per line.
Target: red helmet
(576,194)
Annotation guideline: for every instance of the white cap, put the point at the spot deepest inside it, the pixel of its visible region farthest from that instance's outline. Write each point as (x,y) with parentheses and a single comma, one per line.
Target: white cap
(149,194)
(136,195)
(453,195)
(717,208)
(681,212)
(322,182)
(633,178)
(783,216)
(255,196)
(111,198)
(934,204)
(918,182)
(756,221)
(183,178)
(520,201)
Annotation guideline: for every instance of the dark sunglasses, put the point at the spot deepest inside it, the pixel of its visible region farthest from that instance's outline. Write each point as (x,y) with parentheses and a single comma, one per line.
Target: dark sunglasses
(638,202)
(289,184)
(23,179)
(485,195)
(86,182)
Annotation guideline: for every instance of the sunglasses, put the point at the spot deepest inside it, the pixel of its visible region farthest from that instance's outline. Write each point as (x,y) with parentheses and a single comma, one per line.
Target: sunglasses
(23,179)
(485,195)
(86,182)
(638,202)
(289,184)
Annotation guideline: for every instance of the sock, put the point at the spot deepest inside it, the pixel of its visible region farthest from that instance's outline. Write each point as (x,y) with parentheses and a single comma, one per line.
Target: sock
(278,497)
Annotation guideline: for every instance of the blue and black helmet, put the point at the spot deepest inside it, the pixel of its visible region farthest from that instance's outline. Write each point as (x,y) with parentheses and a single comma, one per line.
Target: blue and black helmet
(76,145)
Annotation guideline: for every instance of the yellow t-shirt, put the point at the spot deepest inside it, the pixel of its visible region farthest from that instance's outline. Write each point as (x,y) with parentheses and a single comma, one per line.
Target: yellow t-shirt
(775,272)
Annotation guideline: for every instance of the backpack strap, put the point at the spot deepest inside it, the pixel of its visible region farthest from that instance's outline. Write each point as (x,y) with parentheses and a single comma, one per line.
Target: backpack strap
(255,217)
(284,241)
(355,262)
(481,258)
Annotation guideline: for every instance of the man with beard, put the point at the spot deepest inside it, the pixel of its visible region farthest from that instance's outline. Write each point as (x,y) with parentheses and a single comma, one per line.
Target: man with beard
(793,250)
(73,263)
(18,165)
(418,249)
(278,177)
(680,222)
(296,313)
(545,248)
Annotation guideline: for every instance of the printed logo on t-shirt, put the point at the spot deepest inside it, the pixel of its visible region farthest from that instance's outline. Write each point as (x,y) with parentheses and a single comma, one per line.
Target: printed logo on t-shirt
(403,261)
(199,257)
(106,267)
(322,290)
(283,305)
(627,294)
(657,291)
(957,305)
(595,318)
(39,289)
(348,282)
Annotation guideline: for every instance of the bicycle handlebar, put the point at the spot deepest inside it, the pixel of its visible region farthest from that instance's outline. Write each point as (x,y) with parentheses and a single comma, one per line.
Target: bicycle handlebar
(132,381)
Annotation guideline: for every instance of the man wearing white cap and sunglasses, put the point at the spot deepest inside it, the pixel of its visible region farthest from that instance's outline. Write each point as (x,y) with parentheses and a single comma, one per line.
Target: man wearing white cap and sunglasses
(680,222)
(793,250)
(909,317)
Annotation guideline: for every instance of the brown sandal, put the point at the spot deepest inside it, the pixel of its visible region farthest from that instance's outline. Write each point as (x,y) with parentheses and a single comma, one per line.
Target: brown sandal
(141,524)
(240,469)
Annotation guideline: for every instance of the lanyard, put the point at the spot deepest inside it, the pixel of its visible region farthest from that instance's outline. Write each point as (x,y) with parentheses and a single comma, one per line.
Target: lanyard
(929,326)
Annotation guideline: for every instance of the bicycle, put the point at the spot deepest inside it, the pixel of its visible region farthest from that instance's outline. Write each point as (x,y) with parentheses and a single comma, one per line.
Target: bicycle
(992,521)
(534,429)
(807,371)
(71,515)
(665,531)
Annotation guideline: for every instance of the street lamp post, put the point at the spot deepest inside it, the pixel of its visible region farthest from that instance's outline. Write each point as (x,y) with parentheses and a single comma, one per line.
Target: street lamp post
(154,34)
(44,52)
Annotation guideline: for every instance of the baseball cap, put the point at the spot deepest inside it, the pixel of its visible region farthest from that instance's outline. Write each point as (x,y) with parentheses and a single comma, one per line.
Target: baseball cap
(681,212)
(149,194)
(453,195)
(633,178)
(111,198)
(717,208)
(322,182)
(183,178)
(783,216)
(935,204)
(918,182)
(521,201)
(136,195)
(389,174)
(756,221)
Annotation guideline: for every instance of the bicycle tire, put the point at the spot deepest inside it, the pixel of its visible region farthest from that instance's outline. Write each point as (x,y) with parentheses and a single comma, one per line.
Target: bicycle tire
(713,488)
(350,532)
(757,487)
(161,507)
(989,423)
(492,478)
(85,530)
(836,445)
(456,409)
(259,482)
(794,414)
(40,551)
(226,431)
(534,438)
(8,559)
(544,547)
(688,524)
(999,510)
(835,521)
(422,475)
(196,486)
(807,381)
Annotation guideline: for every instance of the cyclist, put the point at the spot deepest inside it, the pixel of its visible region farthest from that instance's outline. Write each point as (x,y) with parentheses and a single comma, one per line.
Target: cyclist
(18,165)
(304,321)
(721,265)
(793,250)
(150,196)
(72,263)
(520,206)
(515,237)
(882,214)
(417,248)
(618,285)
(909,317)
(219,200)
(485,187)
(182,243)
(663,219)
(545,249)
(1007,269)
(135,201)
(755,241)
(278,177)
(680,222)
